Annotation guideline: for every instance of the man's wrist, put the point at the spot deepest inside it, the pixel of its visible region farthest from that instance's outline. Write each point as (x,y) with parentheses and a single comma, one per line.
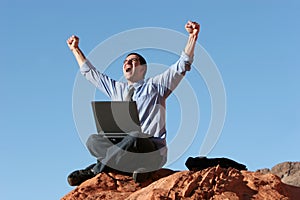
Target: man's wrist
(74,49)
(193,36)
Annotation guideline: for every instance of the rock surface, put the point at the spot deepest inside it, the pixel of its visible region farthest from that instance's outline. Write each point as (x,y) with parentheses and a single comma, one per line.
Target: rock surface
(289,172)
(211,183)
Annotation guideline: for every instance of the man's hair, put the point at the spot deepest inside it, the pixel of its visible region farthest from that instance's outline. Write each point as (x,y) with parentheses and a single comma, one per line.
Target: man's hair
(141,58)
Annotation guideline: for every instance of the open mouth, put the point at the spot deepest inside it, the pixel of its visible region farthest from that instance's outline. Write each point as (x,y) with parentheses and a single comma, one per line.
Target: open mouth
(128,69)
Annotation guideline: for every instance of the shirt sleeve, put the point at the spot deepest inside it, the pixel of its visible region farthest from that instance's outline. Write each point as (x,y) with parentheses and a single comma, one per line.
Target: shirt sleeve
(169,80)
(100,80)
(183,64)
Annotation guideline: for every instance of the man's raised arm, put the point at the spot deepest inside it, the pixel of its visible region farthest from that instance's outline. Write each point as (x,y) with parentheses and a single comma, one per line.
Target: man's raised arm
(73,42)
(193,28)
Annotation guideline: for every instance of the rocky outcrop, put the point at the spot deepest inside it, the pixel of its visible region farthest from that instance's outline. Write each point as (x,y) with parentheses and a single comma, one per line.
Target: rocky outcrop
(211,183)
(112,186)
(288,172)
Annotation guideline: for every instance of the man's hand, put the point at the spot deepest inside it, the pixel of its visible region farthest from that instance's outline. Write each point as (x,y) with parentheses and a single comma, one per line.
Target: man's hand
(73,42)
(193,28)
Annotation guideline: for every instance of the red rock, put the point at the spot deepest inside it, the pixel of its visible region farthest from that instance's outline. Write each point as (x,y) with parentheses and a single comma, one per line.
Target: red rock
(211,183)
(112,186)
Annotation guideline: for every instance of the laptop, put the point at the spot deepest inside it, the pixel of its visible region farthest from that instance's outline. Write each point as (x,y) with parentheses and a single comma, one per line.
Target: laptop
(115,119)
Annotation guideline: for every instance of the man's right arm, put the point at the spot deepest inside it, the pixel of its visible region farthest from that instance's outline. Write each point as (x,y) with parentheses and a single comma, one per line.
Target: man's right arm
(73,42)
(101,81)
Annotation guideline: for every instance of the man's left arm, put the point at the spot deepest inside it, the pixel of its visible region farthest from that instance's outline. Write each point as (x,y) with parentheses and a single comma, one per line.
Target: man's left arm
(193,28)
(171,77)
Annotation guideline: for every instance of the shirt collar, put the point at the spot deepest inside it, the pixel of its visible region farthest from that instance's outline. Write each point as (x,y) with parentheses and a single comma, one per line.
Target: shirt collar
(137,84)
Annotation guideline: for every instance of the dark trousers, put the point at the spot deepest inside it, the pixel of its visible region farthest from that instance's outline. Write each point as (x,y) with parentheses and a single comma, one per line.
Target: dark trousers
(124,154)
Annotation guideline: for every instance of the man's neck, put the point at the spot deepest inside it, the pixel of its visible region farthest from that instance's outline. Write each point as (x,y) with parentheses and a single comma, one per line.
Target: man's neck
(134,82)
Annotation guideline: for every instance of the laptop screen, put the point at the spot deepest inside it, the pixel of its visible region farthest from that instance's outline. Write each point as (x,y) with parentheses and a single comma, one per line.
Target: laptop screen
(116,116)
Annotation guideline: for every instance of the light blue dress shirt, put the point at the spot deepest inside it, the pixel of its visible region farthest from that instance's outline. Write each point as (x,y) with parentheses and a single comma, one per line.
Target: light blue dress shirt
(150,95)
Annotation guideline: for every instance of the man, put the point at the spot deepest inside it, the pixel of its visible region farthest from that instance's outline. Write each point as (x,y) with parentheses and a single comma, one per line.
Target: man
(135,152)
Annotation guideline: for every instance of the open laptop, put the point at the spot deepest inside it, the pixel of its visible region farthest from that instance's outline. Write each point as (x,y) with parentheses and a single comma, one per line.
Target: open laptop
(115,119)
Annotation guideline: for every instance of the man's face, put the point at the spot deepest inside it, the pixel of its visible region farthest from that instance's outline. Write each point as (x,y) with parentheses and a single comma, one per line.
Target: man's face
(132,69)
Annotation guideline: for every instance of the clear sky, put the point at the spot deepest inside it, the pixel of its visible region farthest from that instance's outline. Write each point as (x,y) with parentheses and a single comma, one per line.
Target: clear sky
(254,44)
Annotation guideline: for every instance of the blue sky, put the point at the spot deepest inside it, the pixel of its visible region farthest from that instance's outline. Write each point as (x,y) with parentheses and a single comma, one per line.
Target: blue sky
(255,45)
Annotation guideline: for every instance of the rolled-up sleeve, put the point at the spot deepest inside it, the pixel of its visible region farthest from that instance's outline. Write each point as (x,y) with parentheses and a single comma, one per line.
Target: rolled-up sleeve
(169,79)
(183,64)
(100,80)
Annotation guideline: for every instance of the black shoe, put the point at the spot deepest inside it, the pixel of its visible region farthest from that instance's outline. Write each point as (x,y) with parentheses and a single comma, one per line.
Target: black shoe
(140,175)
(79,176)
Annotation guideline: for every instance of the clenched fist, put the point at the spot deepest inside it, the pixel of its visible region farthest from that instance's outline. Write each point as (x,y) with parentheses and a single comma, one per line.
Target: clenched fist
(73,42)
(192,28)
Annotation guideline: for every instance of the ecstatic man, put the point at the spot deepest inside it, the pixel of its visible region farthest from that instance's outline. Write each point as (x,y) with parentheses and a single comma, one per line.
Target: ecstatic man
(150,96)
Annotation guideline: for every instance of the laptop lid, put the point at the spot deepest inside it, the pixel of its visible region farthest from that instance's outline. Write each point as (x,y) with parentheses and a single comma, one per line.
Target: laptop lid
(116,117)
